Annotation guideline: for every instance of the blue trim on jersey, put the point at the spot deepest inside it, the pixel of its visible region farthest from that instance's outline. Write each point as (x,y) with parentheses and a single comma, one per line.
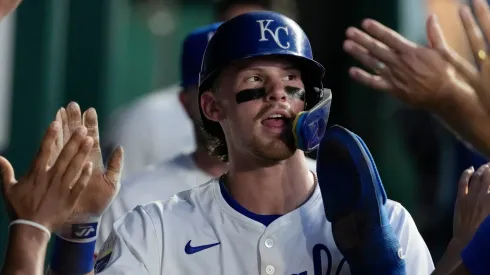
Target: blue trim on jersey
(263,219)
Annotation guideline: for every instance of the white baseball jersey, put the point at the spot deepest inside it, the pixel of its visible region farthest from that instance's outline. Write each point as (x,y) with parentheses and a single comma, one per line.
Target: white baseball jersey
(154,128)
(157,182)
(199,231)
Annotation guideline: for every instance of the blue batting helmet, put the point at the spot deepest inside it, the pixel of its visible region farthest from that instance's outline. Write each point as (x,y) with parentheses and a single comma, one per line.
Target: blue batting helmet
(256,34)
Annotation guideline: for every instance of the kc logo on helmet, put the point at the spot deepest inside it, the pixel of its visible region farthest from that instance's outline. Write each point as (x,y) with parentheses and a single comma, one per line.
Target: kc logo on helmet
(264,30)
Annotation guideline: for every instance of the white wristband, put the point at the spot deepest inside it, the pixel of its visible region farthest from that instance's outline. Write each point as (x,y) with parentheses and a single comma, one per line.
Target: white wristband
(34,224)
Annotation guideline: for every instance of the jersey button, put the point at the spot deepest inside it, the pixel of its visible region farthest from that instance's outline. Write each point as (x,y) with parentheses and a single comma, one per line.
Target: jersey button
(270,269)
(400,254)
(269,243)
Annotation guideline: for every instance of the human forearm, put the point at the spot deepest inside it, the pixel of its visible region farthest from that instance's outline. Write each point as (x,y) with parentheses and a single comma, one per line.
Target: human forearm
(467,118)
(460,270)
(451,258)
(26,251)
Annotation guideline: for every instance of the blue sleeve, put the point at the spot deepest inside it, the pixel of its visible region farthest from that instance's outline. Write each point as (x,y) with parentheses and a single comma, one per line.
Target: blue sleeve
(475,255)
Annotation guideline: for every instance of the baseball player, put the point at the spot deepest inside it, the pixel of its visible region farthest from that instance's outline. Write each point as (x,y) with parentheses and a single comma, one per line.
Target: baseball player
(187,169)
(262,105)
(155,113)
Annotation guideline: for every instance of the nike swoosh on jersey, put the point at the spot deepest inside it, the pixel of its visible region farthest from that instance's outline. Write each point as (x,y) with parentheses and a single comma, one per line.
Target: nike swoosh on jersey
(194,249)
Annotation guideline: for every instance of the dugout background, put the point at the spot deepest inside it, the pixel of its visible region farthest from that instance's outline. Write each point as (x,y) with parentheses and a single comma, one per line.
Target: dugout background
(104,54)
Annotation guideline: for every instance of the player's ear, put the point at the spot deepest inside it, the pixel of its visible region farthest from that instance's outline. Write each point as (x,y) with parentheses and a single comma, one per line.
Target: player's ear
(210,106)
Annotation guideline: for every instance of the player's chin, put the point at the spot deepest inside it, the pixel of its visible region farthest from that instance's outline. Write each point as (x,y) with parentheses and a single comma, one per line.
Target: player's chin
(277,150)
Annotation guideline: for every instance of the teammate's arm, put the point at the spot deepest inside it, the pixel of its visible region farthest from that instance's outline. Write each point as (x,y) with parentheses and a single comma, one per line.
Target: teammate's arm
(44,198)
(464,114)
(26,251)
(74,243)
(475,74)
(419,76)
(461,270)
(468,248)
(134,246)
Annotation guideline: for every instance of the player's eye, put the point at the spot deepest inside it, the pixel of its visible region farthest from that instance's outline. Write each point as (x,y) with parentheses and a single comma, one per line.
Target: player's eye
(253,78)
(290,77)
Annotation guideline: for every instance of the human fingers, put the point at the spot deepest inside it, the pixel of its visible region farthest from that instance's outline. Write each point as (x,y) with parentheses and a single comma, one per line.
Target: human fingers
(75,166)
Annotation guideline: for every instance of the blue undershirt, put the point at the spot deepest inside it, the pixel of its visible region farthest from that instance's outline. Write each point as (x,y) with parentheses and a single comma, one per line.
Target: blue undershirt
(263,219)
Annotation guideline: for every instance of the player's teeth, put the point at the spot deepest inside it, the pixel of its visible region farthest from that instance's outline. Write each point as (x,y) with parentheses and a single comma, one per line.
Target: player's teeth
(276,116)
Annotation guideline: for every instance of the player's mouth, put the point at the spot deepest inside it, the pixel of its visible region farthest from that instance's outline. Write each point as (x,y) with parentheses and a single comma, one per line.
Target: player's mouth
(277,121)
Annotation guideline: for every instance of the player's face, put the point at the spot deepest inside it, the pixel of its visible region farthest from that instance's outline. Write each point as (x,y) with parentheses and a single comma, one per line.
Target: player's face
(259,99)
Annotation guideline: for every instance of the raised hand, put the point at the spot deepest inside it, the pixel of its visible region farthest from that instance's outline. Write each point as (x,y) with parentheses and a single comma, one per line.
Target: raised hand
(476,77)
(48,195)
(104,183)
(471,208)
(75,239)
(419,76)
(472,204)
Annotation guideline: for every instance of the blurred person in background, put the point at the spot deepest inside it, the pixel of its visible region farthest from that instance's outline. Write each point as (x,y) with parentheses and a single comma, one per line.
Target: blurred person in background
(156,126)
(177,173)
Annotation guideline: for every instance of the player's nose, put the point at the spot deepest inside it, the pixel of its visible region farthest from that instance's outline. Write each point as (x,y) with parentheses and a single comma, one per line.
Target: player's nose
(276,91)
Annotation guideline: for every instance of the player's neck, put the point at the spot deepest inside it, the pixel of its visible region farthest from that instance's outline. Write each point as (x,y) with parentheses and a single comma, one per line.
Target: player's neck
(209,164)
(276,189)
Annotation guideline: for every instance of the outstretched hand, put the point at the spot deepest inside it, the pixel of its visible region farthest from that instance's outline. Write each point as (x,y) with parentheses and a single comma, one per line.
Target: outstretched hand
(47,195)
(476,76)
(103,184)
(472,203)
(419,76)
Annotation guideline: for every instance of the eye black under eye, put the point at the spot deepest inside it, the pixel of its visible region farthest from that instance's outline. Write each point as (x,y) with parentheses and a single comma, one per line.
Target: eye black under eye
(250,94)
(258,93)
